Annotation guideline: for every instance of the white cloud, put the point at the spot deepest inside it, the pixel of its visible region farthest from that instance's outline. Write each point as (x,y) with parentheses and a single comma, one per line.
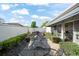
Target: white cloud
(39,1)
(16,4)
(5,6)
(35,16)
(56,13)
(19,20)
(13,20)
(21,11)
(26,24)
(44,17)
(21,17)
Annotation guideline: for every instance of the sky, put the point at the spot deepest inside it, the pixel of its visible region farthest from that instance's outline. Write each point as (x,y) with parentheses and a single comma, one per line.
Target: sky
(25,13)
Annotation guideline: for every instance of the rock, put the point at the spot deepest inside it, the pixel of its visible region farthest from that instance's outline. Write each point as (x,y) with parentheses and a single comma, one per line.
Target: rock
(60,52)
(27,39)
(38,41)
(38,45)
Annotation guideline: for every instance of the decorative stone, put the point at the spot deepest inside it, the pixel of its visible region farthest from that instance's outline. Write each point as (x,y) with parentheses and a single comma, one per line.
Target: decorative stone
(38,45)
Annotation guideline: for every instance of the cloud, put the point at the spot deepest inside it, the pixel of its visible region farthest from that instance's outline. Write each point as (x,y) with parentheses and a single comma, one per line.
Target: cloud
(21,11)
(35,16)
(13,20)
(21,17)
(26,24)
(13,5)
(8,6)
(16,4)
(19,20)
(56,13)
(5,6)
(39,1)
(44,17)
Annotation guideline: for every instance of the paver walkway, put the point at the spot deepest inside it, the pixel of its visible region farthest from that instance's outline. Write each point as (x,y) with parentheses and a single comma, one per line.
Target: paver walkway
(53,45)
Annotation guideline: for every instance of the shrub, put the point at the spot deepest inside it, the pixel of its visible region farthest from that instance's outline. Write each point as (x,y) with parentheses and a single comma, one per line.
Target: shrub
(70,49)
(56,39)
(48,35)
(67,40)
(12,40)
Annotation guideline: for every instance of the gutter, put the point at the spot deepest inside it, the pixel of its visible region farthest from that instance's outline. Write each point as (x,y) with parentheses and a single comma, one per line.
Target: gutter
(66,11)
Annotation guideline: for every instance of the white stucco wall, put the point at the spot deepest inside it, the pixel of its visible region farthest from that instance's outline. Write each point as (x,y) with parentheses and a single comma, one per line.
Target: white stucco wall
(76,32)
(37,29)
(48,29)
(75,37)
(7,32)
(11,31)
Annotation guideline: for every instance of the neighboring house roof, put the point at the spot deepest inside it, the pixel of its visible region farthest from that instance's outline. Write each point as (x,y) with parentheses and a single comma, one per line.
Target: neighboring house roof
(1,20)
(14,24)
(69,12)
(11,24)
(2,23)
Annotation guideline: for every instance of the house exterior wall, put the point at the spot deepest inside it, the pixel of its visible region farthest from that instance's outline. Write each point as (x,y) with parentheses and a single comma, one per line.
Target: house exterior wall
(76,32)
(69,31)
(71,15)
(58,30)
(73,27)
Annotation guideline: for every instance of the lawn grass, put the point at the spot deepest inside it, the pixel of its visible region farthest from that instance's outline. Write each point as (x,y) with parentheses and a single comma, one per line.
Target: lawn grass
(70,48)
(13,40)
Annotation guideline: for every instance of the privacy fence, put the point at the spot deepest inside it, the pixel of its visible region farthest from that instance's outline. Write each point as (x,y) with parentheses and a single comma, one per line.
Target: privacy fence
(11,31)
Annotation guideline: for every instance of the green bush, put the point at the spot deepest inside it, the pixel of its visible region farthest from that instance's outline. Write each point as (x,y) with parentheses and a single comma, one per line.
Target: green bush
(56,39)
(48,35)
(70,49)
(10,41)
(67,40)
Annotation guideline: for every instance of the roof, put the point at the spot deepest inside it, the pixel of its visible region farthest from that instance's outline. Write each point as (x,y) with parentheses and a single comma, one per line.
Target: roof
(15,24)
(11,24)
(69,12)
(1,20)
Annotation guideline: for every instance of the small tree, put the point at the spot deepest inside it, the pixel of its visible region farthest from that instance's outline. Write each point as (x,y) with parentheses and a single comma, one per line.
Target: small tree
(33,24)
(44,23)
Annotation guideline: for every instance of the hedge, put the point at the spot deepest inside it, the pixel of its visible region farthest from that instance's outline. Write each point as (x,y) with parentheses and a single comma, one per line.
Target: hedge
(48,35)
(56,39)
(13,40)
(70,48)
